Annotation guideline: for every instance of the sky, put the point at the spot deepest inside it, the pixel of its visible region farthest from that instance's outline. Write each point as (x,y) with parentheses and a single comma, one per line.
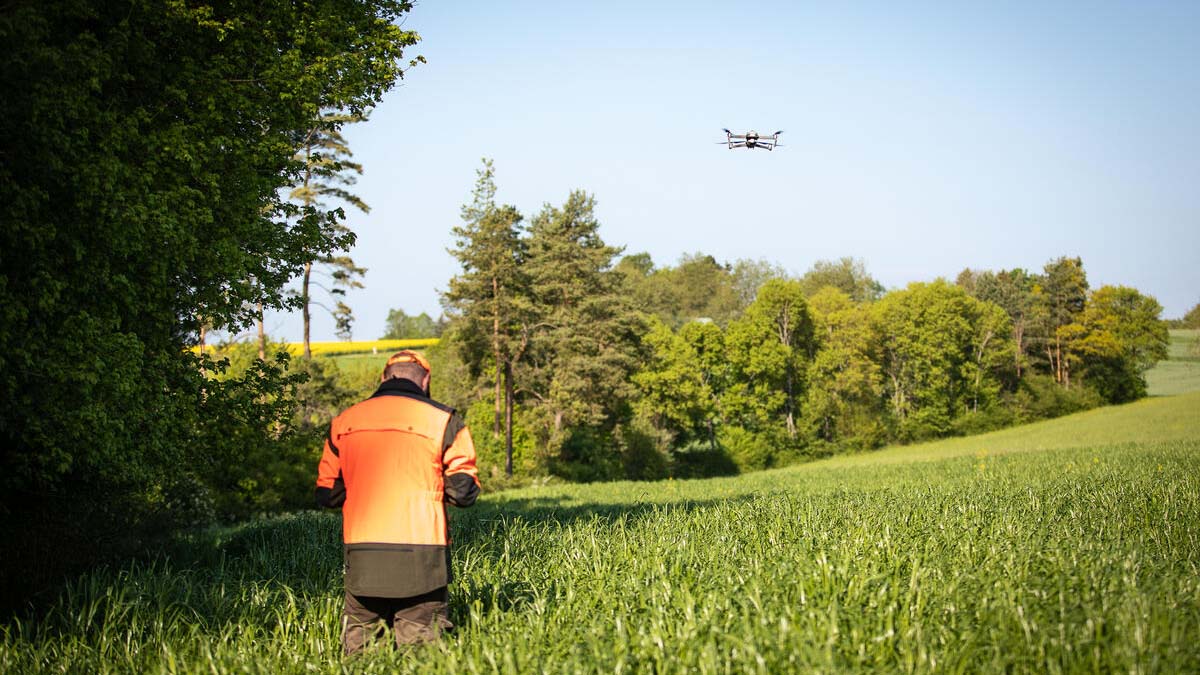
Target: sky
(921,138)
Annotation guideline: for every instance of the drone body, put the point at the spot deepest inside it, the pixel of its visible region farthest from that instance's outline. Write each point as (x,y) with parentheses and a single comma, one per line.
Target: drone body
(751,140)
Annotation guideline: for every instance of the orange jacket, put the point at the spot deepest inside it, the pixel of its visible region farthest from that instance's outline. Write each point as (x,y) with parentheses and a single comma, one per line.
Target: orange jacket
(392,462)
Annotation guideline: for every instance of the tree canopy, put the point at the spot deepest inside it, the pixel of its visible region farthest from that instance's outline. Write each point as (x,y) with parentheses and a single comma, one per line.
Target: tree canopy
(145,151)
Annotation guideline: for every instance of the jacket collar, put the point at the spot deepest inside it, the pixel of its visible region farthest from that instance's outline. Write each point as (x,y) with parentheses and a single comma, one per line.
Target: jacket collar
(398,386)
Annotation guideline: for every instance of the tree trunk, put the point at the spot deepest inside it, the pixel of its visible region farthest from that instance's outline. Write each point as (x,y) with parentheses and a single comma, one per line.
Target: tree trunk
(304,310)
(203,336)
(1019,338)
(262,335)
(498,412)
(508,413)
(496,354)
(791,407)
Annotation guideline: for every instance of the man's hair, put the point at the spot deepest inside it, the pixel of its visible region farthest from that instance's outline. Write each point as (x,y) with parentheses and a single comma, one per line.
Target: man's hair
(405,370)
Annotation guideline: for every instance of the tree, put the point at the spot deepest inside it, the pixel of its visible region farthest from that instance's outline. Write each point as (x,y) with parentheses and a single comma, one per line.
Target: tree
(401,326)
(328,172)
(697,288)
(847,274)
(939,350)
(585,338)
(1058,299)
(1192,318)
(490,295)
(145,149)
(750,275)
(769,349)
(682,381)
(1013,291)
(1118,338)
(845,392)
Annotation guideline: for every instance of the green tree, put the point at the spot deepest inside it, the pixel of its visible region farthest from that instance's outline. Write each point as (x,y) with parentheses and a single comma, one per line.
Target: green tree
(846,274)
(697,288)
(490,296)
(1118,338)
(769,349)
(843,403)
(682,380)
(750,275)
(401,326)
(1013,291)
(1192,318)
(939,350)
(146,147)
(585,340)
(1058,299)
(328,173)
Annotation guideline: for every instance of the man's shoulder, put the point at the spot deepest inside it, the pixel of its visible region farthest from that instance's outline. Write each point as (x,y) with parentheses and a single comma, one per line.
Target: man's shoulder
(391,392)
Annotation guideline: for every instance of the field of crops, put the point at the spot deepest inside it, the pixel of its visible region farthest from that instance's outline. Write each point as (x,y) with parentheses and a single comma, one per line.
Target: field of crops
(361,346)
(1068,546)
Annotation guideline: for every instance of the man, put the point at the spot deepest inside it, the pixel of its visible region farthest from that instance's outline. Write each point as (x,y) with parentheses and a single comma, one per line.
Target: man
(392,462)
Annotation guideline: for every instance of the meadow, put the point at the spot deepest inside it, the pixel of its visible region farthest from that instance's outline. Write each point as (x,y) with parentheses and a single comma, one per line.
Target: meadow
(1181,371)
(1071,545)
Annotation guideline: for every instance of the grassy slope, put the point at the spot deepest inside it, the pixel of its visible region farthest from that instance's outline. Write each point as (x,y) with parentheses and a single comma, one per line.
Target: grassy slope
(1180,373)
(1071,545)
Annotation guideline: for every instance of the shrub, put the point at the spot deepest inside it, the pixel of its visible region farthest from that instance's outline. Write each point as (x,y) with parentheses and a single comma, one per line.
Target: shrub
(699,459)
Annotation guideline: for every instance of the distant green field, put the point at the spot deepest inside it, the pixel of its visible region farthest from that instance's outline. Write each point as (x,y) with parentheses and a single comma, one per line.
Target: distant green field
(1180,373)
(1071,545)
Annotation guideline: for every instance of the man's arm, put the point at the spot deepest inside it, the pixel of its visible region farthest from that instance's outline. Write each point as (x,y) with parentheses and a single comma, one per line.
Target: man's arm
(458,464)
(331,489)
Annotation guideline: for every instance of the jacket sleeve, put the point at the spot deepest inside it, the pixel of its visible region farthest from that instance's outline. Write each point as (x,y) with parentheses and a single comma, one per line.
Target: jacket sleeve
(458,464)
(331,489)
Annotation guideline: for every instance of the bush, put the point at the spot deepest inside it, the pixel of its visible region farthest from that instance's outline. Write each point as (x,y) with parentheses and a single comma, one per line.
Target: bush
(490,448)
(587,455)
(1039,397)
(641,457)
(699,459)
(980,421)
(748,450)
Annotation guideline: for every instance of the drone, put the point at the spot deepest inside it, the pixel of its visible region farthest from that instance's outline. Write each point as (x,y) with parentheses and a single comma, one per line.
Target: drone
(751,139)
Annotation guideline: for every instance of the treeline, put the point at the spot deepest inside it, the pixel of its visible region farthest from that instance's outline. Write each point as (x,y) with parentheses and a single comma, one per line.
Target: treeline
(592,366)
(146,152)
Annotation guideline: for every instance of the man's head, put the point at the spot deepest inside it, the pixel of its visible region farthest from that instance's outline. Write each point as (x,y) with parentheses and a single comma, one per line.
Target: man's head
(408,365)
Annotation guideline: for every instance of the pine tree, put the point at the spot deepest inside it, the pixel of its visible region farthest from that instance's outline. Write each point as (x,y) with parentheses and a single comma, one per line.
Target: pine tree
(584,340)
(490,296)
(328,172)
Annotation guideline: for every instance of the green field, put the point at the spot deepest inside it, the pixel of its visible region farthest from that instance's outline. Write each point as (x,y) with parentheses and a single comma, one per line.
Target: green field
(1180,373)
(1071,545)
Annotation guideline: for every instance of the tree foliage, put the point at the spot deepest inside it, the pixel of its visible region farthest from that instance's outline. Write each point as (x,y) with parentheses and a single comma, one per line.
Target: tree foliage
(402,326)
(847,275)
(145,148)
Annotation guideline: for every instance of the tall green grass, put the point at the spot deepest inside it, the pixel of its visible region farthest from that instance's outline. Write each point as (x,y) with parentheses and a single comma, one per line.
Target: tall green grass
(1068,546)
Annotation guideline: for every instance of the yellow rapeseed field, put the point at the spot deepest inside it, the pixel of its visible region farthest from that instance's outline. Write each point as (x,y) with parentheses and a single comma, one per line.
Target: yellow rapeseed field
(361,346)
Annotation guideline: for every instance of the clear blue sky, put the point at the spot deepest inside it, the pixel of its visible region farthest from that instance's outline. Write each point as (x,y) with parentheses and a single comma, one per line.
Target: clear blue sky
(921,138)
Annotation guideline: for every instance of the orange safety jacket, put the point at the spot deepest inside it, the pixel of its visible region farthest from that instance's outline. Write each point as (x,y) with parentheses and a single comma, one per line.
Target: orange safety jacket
(392,463)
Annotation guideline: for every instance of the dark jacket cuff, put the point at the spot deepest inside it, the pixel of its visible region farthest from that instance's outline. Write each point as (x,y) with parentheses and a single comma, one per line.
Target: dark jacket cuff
(461,489)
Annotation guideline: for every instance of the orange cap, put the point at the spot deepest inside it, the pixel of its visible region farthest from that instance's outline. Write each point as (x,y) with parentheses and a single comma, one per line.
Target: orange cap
(407,356)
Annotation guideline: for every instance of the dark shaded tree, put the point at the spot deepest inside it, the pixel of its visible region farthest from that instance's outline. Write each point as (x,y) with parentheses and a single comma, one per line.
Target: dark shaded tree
(144,151)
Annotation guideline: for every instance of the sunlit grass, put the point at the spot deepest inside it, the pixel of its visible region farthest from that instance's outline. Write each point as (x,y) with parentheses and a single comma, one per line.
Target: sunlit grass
(1180,373)
(1068,546)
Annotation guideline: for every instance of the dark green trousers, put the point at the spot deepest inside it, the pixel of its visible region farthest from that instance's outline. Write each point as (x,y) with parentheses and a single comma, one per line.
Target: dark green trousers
(421,618)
